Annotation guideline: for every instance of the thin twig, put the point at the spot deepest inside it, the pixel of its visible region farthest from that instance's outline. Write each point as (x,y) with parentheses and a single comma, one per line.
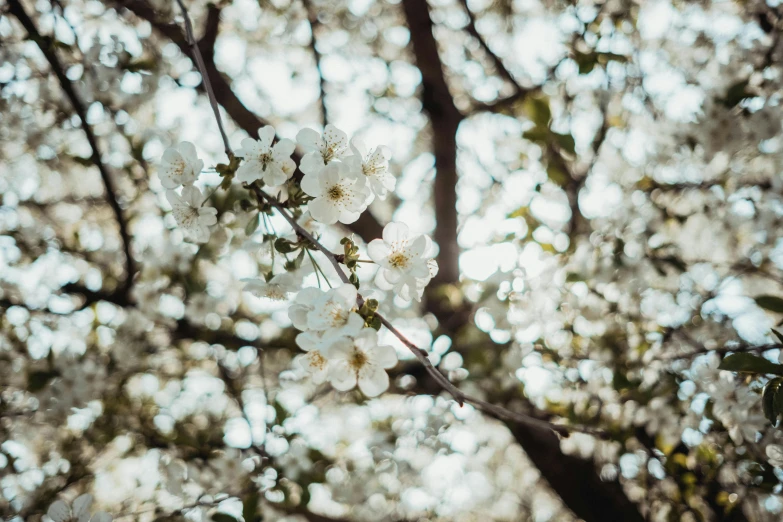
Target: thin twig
(460,396)
(46,45)
(420,354)
(312,18)
(202,69)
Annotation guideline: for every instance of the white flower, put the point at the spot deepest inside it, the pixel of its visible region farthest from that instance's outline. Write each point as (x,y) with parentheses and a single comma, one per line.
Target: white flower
(361,360)
(194,219)
(340,195)
(775,455)
(374,164)
(60,512)
(273,164)
(314,361)
(321,149)
(303,305)
(405,261)
(180,166)
(276,289)
(333,314)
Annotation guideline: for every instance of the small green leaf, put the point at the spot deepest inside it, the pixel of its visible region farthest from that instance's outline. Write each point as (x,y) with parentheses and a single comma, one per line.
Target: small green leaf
(283,246)
(250,507)
(37,381)
(252,225)
(771,303)
(538,111)
(778,335)
(222,517)
(745,362)
(566,142)
(768,396)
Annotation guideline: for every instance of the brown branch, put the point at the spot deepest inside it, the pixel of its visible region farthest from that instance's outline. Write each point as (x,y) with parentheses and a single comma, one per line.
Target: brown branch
(444,123)
(498,63)
(460,396)
(367,227)
(312,18)
(46,45)
(196,53)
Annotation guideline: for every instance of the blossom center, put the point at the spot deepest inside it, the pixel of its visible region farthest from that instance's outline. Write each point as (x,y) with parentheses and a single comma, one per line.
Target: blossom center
(398,260)
(185,215)
(335,193)
(265,160)
(358,360)
(317,360)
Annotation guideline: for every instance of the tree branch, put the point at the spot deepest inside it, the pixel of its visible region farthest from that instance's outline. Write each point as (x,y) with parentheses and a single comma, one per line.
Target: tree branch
(421,355)
(46,45)
(444,123)
(367,227)
(312,18)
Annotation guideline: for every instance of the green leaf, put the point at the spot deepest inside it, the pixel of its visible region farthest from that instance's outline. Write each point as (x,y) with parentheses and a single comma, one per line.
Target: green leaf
(250,507)
(736,93)
(771,303)
(557,176)
(222,517)
(745,362)
(537,134)
(283,246)
(37,381)
(566,142)
(778,335)
(538,111)
(768,399)
(252,225)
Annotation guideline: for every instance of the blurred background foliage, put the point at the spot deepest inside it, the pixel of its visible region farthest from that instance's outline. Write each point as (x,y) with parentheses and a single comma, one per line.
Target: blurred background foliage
(602,180)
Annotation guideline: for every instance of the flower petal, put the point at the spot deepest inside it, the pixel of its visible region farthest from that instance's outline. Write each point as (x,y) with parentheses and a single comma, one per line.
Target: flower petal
(395,231)
(378,250)
(309,139)
(323,211)
(373,380)
(341,376)
(383,355)
(266,135)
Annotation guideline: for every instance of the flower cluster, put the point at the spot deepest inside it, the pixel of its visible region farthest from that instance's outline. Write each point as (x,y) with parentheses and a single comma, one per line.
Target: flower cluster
(339,348)
(339,180)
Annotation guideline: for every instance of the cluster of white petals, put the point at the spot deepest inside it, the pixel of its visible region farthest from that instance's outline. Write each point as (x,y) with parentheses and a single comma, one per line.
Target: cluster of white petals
(262,160)
(180,166)
(406,262)
(339,348)
(341,179)
(190,214)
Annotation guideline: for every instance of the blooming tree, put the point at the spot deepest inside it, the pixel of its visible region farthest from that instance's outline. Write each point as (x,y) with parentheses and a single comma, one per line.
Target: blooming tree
(347,261)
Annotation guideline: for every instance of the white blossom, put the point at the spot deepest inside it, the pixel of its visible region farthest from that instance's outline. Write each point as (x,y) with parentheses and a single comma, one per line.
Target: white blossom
(340,195)
(262,160)
(180,166)
(374,164)
(321,149)
(60,512)
(189,213)
(333,313)
(314,361)
(303,305)
(277,289)
(361,360)
(405,261)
